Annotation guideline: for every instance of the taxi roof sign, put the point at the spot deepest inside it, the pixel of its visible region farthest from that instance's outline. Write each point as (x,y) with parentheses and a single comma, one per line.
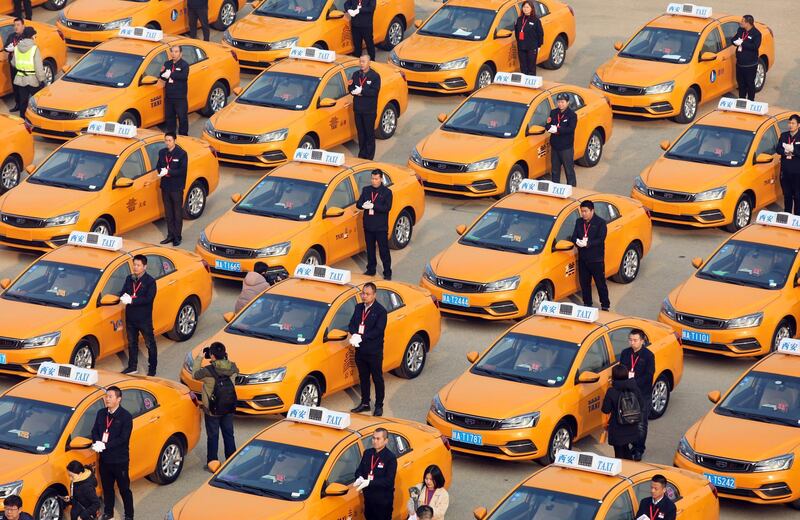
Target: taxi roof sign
(318,156)
(538,187)
(518,80)
(95,240)
(588,461)
(67,373)
(789,346)
(319,416)
(743,105)
(568,311)
(778,219)
(141,33)
(322,273)
(698,11)
(112,128)
(312,53)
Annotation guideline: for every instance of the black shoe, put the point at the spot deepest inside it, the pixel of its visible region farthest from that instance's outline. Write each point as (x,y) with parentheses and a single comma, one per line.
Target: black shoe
(15,108)
(387,277)
(604,308)
(176,242)
(378,411)
(151,372)
(130,370)
(107,517)
(363,407)
(636,457)
(166,241)
(369,273)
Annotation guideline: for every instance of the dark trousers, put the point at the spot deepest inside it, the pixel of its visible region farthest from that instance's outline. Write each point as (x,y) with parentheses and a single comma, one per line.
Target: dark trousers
(361,36)
(20,5)
(109,475)
(370,365)
(587,271)
(382,238)
(176,113)
(133,329)
(378,510)
(622,451)
(194,14)
(746,79)
(25,93)
(14,87)
(790,184)
(365,126)
(173,213)
(527,61)
(565,158)
(640,445)
(215,423)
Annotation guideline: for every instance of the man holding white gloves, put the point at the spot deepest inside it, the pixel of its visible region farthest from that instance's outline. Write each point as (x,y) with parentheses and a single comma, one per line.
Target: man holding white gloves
(367,327)
(138,294)
(589,236)
(111,434)
(171,166)
(365,86)
(561,125)
(361,14)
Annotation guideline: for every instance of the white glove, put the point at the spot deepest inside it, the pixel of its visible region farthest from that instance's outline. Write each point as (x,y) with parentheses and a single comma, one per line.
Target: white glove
(355,340)
(162,172)
(553,129)
(738,42)
(368,205)
(126,299)
(581,242)
(351,12)
(99,446)
(788,147)
(166,74)
(364,484)
(357,91)
(358,482)
(10,47)
(356,11)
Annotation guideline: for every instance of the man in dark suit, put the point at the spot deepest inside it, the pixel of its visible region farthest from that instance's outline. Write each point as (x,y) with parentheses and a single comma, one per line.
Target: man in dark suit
(747,41)
(175,79)
(590,237)
(561,124)
(375,477)
(657,506)
(641,365)
(367,327)
(138,294)
(365,86)
(376,201)
(171,166)
(361,14)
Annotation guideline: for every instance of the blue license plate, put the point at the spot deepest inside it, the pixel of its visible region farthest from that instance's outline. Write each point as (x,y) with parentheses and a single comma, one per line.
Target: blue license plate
(452,299)
(720,481)
(466,437)
(699,337)
(2,359)
(225,265)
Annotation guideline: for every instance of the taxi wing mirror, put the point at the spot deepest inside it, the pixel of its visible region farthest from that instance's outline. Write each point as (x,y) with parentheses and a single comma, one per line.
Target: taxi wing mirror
(228,317)
(30,168)
(123,182)
(442,117)
(214,465)
(534,130)
(148,80)
(697,262)
(236,197)
(708,56)
(65,68)
(108,300)
(333,212)
(334,489)
(796,281)
(461,229)
(472,356)
(563,245)
(763,158)
(326,103)
(502,33)
(479,513)
(664,145)
(617,46)
(237,91)
(5,282)
(714,396)
(417,23)
(336,335)
(335,15)
(80,443)
(588,377)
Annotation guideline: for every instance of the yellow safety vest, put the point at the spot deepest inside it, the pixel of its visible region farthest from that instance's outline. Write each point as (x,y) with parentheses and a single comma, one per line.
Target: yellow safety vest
(24,62)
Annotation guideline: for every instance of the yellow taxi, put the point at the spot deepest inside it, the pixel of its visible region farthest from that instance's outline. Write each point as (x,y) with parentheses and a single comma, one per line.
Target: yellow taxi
(587,485)
(305,212)
(47,422)
(742,301)
(763,408)
(70,300)
(720,170)
(7,6)
(518,254)
(464,42)
(290,343)
(273,27)
(118,81)
(16,150)
(104,181)
(301,102)
(677,61)
(540,386)
(496,137)
(51,45)
(87,23)
(304,467)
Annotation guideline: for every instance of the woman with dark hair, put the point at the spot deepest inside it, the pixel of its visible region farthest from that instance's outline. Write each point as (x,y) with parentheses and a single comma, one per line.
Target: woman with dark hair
(430,492)
(530,36)
(83,498)
(623,432)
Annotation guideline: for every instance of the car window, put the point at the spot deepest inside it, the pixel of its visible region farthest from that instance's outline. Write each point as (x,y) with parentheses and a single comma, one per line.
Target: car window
(541,114)
(364,179)
(729,31)
(334,89)
(619,342)
(712,43)
(642,491)
(606,211)
(342,195)
(783,125)
(85,423)
(596,358)
(133,167)
(138,402)
(768,142)
(152,150)
(341,320)
(344,469)
(349,71)
(621,508)
(397,444)
(541,9)
(117,280)
(575,101)
(154,67)
(192,54)
(389,299)
(568,226)
(508,20)
(159,266)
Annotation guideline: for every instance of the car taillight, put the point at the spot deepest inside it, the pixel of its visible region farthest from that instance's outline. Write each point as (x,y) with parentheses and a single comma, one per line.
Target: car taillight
(235,56)
(446,443)
(60,34)
(713,489)
(206,266)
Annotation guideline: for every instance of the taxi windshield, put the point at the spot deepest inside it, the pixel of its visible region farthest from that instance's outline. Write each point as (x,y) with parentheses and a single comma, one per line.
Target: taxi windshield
(660,44)
(105,68)
(75,169)
(764,397)
(292,9)
(31,426)
(55,284)
(280,197)
(483,116)
(461,23)
(712,145)
(280,318)
(528,502)
(272,469)
(749,263)
(510,230)
(280,90)
(528,359)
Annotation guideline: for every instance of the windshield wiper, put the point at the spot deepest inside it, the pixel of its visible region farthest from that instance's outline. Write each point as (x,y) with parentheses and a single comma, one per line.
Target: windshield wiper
(259,335)
(639,57)
(724,279)
(11,446)
(47,182)
(87,81)
(499,375)
(751,416)
(466,130)
(39,301)
(253,490)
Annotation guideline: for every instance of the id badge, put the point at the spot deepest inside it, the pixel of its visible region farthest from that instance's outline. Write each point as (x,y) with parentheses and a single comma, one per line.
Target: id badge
(631,374)
(372,212)
(361,329)
(105,438)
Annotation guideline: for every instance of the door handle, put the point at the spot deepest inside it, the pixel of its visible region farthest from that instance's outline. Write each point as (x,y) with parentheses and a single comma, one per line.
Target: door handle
(147,183)
(407,464)
(401,316)
(171,282)
(347,105)
(154,419)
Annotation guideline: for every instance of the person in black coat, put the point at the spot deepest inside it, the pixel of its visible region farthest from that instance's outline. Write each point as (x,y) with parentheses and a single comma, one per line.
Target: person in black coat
(658,505)
(590,237)
(171,166)
(10,44)
(561,125)
(376,202)
(361,14)
(82,497)
(378,467)
(620,436)
(530,36)
(138,293)
(367,327)
(641,363)
(175,79)
(111,434)
(197,10)
(365,85)
(747,41)
(789,149)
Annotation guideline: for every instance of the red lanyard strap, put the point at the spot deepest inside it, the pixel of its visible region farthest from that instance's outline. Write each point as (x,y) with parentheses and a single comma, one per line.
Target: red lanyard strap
(364,315)
(633,362)
(586,229)
(653,515)
(109,422)
(136,288)
(374,462)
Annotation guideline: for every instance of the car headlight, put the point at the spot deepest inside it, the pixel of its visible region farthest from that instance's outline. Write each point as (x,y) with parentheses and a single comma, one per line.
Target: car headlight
(715,194)
(429,274)
(274,250)
(640,186)
(751,320)
(62,220)
(661,88)
(62,18)
(12,488)
(529,420)
(685,450)
(275,375)
(506,284)
(437,407)
(33,105)
(203,241)
(668,309)
(226,36)
(415,157)
(209,128)
(394,58)
(480,166)
(460,63)
(597,82)
(284,44)
(277,135)
(116,24)
(781,463)
(92,112)
(45,340)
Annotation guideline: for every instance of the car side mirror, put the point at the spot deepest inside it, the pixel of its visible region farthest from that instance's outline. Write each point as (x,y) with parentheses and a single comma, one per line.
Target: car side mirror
(148,80)
(30,168)
(708,56)
(664,145)
(237,91)
(123,182)
(236,197)
(697,262)
(479,513)
(65,68)
(417,23)
(334,489)
(588,377)
(336,335)
(714,396)
(534,130)
(80,443)
(472,356)
(442,117)
(617,46)
(563,245)
(326,103)
(335,15)
(461,229)
(763,158)
(796,281)
(108,300)
(214,465)
(228,317)
(502,33)
(333,212)
(5,282)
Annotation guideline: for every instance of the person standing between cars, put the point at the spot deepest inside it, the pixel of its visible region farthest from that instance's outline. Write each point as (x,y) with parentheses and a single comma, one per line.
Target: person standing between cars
(641,365)
(27,60)
(431,493)
(175,78)
(361,14)
(111,434)
(561,125)
(138,294)
(367,327)
(789,149)
(377,470)
(747,41)
(197,10)
(658,505)
(590,237)
(11,43)
(82,496)
(21,6)
(530,36)
(12,506)
(622,434)
(171,166)
(376,202)
(365,86)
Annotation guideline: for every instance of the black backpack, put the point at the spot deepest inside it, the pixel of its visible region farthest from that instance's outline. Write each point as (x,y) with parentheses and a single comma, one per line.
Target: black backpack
(629,410)
(222,400)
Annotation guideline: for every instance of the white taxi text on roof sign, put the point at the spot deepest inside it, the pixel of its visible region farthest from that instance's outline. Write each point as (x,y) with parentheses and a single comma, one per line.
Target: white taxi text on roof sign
(517,79)
(111,128)
(568,311)
(318,157)
(743,105)
(697,11)
(318,416)
(312,53)
(141,33)
(588,461)
(68,373)
(322,273)
(95,240)
(789,346)
(778,219)
(552,189)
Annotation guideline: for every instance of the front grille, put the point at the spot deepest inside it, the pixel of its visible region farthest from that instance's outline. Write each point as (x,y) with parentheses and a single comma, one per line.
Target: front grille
(623,90)
(444,167)
(84,26)
(471,421)
(55,134)
(230,137)
(80,43)
(447,187)
(457,308)
(669,216)
(459,285)
(250,64)
(9,343)
(475,447)
(723,465)
(630,110)
(22,222)
(250,45)
(58,115)
(20,242)
(419,66)
(748,493)
(670,196)
(231,252)
(13,367)
(700,322)
(716,347)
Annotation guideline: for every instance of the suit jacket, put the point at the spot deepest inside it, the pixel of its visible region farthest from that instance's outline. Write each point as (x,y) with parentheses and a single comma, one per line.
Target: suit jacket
(140,310)
(534,34)
(596,230)
(177,86)
(367,102)
(175,179)
(374,329)
(379,221)
(365,15)
(664,510)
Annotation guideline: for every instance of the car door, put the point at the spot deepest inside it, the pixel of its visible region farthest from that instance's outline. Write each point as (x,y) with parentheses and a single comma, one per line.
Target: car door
(109,322)
(342,232)
(621,506)
(765,177)
(538,151)
(727,77)
(199,83)
(334,124)
(150,98)
(395,337)
(585,124)
(708,72)
(87,414)
(504,51)
(564,270)
(172,15)
(138,204)
(343,472)
(618,337)
(616,241)
(549,28)
(336,32)
(147,418)
(590,395)
(406,476)
(340,360)
(168,295)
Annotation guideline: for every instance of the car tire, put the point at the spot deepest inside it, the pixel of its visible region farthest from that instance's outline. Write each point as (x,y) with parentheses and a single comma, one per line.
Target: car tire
(629,265)
(402,230)
(387,123)
(83,355)
(593,151)
(128,118)
(659,398)
(414,358)
(514,178)
(170,462)
(102,226)
(689,105)
(558,54)
(195,202)
(308,142)
(561,438)
(185,324)
(10,173)
(785,329)
(761,75)
(50,71)
(226,15)
(742,213)
(216,100)
(54,5)
(309,393)
(48,507)
(394,34)
(541,293)
(312,257)
(484,77)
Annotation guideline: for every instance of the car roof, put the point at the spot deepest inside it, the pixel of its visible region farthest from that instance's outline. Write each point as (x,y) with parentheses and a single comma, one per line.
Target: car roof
(778,363)
(769,235)
(483,4)
(543,203)
(109,143)
(562,328)
(740,120)
(314,172)
(61,392)
(309,289)
(92,257)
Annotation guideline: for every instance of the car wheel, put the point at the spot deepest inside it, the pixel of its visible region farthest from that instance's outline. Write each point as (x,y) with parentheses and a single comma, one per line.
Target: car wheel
(309,393)
(402,230)
(48,507)
(55,5)
(128,118)
(558,54)
(308,142)
(195,201)
(185,323)
(170,462)
(784,330)
(629,265)
(10,173)
(594,150)
(413,358)
(103,227)
(49,69)
(387,124)
(394,34)
(484,77)
(226,15)
(82,355)
(761,74)
(688,107)
(561,439)
(312,257)
(659,400)
(741,214)
(540,294)
(216,100)
(514,179)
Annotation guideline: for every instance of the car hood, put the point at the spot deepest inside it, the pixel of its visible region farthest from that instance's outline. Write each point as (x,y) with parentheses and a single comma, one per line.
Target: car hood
(51,201)
(638,73)
(432,49)
(690,177)
(41,319)
(443,145)
(105,11)
(479,395)
(74,96)
(697,296)
(267,29)
(475,264)
(214,502)
(256,355)
(252,231)
(253,119)
(704,437)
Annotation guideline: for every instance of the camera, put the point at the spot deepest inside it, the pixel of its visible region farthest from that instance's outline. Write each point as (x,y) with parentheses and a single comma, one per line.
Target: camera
(207,352)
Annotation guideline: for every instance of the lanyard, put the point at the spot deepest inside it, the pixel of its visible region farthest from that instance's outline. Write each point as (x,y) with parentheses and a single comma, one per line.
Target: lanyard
(586,227)
(374,462)
(744,35)
(522,28)
(373,196)
(364,314)
(168,157)
(653,515)
(109,422)
(633,362)
(136,288)
(789,139)
(362,80)
(558,117)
